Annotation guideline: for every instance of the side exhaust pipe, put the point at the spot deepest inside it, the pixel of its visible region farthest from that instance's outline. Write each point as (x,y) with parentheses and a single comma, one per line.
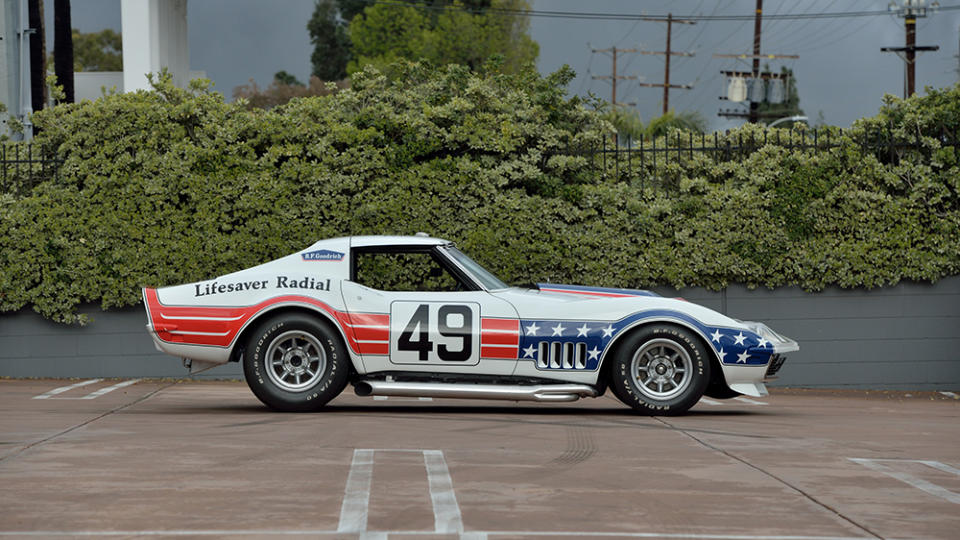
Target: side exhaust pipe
(509,392)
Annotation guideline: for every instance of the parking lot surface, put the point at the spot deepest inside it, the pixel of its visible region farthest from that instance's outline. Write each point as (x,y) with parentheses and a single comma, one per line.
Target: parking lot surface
(148,458)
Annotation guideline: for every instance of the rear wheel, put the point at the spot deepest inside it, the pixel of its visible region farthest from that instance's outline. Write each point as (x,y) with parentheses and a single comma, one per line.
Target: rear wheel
(295,362)
(661,369)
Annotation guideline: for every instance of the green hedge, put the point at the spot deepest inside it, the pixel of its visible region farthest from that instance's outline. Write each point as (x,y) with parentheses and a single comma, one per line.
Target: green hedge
(173,186)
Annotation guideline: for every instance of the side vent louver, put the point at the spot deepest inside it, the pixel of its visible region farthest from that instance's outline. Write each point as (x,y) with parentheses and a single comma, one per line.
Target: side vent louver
(559,355)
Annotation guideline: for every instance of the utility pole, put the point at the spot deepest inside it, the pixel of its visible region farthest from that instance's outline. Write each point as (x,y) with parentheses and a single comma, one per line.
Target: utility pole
(666,68)
(757,24)
(758,77)
(614,77)
(909,12)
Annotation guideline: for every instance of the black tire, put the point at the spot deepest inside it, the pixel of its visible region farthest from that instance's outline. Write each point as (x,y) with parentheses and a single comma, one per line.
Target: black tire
(295,362)
(660,369)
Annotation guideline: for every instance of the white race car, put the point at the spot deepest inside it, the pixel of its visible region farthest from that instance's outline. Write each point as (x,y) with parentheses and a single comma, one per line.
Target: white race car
(413,316)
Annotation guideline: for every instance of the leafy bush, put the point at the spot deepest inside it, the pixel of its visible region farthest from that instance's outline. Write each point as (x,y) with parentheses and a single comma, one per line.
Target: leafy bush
(172,186)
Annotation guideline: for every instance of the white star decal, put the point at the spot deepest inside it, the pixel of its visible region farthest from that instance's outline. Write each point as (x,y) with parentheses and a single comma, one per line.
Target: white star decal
(529,352)
(739,338)
(558,329)
(593,353)
(742,357)
(763,343)
(608,331)
(582,331)
(532,329)
(716,335)
(722,354)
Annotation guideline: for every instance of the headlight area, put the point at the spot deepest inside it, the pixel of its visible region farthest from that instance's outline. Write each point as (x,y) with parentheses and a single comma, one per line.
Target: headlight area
(781,344)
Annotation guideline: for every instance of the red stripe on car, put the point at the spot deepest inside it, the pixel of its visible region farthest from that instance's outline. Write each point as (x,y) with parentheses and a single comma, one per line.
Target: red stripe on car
(508,353)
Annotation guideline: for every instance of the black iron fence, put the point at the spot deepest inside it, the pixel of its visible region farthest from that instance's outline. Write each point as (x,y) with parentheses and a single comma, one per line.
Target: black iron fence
(24,165)
(628,159)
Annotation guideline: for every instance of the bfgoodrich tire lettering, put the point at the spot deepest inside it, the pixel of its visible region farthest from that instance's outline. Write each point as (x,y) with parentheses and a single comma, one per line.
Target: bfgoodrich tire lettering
(660,369)
(295,362)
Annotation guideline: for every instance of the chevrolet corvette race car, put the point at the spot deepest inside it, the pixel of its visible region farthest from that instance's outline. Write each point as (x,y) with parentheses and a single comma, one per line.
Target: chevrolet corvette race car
(414,316)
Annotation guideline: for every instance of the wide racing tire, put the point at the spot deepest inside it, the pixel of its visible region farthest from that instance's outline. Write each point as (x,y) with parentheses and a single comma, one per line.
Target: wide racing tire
(660,369)
(294,362)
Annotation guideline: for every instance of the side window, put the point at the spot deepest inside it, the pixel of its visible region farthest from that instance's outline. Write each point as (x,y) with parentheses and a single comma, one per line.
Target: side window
(413,271)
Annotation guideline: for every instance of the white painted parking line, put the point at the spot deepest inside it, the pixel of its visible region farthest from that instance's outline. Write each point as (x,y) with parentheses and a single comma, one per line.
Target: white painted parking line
(356,496)
(105,390)
(63,389)
(919,483)
(708,401)
(384,398)
(108,389)
(750,401)
(446,511)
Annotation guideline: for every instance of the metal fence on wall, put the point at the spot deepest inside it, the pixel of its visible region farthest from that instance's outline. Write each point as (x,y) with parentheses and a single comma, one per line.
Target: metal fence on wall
(627,159)
(24,165)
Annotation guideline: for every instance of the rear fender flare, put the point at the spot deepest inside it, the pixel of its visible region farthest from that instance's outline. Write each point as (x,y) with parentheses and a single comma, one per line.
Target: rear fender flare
(287,307)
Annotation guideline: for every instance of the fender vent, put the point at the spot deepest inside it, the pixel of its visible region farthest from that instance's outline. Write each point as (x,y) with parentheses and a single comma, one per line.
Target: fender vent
(560,355)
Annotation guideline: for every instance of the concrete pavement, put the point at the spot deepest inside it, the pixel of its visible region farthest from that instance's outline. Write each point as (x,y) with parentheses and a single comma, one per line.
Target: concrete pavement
(160,458)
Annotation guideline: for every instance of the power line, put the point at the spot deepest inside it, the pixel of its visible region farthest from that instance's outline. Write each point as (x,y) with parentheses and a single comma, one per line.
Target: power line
(583,15)
(828,30)
(703,28)
(798,28)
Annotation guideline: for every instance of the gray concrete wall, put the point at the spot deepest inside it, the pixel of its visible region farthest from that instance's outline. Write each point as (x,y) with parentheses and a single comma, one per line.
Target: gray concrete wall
(902,337)
(115,344)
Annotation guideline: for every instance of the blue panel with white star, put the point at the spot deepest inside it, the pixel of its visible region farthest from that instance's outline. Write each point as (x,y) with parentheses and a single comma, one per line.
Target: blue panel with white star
(578,345)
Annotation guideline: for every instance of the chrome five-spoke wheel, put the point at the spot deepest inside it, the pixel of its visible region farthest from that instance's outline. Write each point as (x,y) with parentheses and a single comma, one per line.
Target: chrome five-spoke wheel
(661,369)
(296,360)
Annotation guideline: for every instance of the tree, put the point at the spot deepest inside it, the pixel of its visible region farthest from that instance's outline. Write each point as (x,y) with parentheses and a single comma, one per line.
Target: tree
(284,88)
(687,120)
(97,51)
(328,33)
(627,122)
(448,33)
(63,47)
(791,100)
(38,64)
(282,77)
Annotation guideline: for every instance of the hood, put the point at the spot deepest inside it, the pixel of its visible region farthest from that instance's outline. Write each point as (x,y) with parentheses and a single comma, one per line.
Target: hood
(549,304)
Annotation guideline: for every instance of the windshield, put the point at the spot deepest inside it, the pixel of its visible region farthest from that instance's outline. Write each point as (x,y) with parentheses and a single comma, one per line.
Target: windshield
(488,280)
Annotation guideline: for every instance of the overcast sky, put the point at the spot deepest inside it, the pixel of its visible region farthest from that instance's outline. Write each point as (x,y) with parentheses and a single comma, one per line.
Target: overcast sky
(841,72)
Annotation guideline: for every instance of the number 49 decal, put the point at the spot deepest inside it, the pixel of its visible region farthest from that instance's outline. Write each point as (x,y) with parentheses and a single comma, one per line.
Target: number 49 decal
(434,333)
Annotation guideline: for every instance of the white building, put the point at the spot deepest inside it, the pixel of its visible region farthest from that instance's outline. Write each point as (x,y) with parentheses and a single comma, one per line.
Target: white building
(154,38)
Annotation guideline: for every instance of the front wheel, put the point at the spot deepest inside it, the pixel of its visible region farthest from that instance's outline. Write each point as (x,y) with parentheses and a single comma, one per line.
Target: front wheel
(295,362)
(661,369)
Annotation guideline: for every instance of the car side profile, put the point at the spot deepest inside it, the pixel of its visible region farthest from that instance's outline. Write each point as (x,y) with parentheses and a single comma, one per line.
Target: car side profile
(414,316)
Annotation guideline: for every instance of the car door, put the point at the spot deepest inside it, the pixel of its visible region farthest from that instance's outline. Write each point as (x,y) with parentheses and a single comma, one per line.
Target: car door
(410,311)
